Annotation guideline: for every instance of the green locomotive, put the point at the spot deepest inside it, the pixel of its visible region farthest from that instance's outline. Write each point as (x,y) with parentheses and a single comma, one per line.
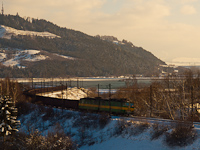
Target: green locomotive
(118,106)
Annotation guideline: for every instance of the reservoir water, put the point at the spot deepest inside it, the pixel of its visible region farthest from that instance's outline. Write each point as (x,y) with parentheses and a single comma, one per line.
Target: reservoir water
(103,83)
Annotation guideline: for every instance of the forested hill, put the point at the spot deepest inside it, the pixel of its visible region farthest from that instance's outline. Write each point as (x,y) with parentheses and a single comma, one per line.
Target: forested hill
(93,56)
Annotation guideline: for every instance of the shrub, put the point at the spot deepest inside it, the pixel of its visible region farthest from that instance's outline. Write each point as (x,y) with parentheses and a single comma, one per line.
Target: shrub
(25,108)
(68,115)
(86,120)
(83,136)
(120,127)
(104,119)
(49,113)
(182,135)
(57,139)
(35,141)
(158,130)
(14,142)
(139,128)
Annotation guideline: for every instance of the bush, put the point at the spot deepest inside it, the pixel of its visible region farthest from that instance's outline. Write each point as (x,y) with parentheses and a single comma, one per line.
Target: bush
(104,119)
(158,130)
(140,128)
(25,108)
(182,135)
(120,127)
(87,121)
(49,114)
(14,142)
(55,140)
(68,115)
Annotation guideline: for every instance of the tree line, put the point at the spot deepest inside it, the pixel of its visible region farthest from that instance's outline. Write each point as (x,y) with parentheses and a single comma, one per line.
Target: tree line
(171,98)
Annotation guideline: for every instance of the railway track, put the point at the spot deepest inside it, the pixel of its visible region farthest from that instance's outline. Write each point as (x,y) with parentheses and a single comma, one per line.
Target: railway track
(162,121)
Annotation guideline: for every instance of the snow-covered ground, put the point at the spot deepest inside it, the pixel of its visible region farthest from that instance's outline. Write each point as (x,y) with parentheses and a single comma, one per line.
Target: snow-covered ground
(2,56)
(73,93)
(70,93)
(14,57)
(119,133)
(8,32)
(27,55)
(97,131)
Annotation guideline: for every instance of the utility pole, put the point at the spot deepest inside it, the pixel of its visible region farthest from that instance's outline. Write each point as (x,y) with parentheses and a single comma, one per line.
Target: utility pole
(32,82)
(41,88)
(66,90)
(98,90)
(62,97)
(2,10)
(109,91)
(150,100)
(110,98)
(77,83)
(192,101)
(44,87)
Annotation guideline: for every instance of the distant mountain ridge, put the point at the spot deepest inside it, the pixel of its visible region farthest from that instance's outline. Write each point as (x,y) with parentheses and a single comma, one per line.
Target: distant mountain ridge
(94,56)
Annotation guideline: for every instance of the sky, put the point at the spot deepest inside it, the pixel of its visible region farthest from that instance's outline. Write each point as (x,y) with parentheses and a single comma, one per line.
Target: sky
(170,29)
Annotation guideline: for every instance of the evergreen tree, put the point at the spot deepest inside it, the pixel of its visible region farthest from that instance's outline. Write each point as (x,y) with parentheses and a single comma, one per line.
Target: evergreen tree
(8,117)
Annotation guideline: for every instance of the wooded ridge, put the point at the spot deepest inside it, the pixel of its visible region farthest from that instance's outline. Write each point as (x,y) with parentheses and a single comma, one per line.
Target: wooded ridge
(95,56)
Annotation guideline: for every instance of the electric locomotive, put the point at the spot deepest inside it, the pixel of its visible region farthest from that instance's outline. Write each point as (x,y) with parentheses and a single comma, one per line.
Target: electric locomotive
(117,106)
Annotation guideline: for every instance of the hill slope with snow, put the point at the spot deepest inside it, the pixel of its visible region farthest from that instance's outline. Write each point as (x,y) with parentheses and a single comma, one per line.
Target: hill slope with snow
(16,57)
(8,32)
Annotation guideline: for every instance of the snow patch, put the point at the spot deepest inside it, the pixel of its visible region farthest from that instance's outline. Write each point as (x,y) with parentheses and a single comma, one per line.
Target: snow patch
(11,63)
(27,55)
(8,32)
(13,57)
(2,56)
(71,93)
(31,52)
(66,57)
(37,58)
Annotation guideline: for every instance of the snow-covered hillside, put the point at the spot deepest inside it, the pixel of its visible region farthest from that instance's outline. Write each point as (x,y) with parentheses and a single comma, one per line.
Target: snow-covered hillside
(15,57)
(8,32)
(97,132)
(26,55)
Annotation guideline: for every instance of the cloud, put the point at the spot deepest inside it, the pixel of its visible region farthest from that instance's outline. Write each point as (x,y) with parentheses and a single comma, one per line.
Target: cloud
(188,10)
(64,13)
(187,1)
(138,13)
(89,11)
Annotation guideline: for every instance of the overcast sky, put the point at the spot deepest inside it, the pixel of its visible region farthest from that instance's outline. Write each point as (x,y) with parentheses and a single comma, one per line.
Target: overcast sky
(170,29)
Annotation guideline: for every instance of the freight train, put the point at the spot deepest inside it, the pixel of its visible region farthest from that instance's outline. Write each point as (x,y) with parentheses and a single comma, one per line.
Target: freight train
(112,106)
